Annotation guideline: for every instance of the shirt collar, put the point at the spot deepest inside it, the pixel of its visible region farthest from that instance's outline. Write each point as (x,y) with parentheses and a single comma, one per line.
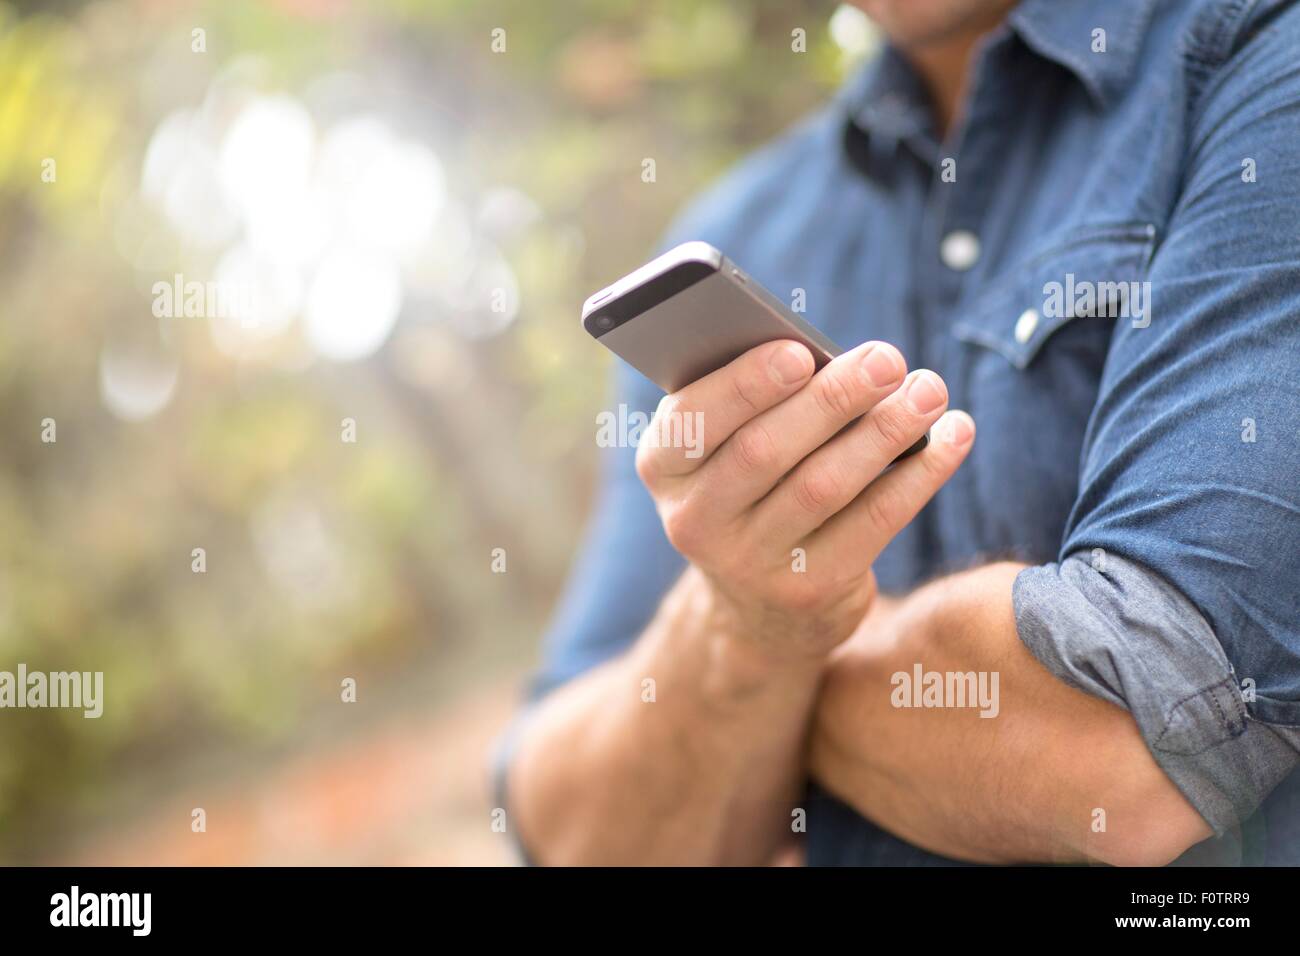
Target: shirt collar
(1066,32)
(888,101)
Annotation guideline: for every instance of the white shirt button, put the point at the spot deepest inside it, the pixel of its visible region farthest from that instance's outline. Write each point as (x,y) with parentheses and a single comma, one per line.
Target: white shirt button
(960,249)
(1025,325)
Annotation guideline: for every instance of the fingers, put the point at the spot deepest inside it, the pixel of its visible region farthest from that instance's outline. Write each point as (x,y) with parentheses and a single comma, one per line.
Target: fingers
(765,448)
(853,538)
(712,408)
(831,477)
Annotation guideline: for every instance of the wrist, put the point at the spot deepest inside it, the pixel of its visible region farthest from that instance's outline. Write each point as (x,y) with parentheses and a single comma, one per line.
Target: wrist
(746,651)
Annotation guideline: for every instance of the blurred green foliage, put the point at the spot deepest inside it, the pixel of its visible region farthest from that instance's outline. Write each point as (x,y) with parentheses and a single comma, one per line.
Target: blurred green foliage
(324,559)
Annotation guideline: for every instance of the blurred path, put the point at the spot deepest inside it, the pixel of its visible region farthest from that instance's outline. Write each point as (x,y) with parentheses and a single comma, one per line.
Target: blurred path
(404,793)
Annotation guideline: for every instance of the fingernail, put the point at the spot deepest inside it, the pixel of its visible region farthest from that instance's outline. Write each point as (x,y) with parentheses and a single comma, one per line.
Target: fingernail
(924,391)
(881,365)
(960,429)
(790,363)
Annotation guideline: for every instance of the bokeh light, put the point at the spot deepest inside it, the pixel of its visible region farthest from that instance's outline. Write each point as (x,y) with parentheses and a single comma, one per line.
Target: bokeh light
(359,213)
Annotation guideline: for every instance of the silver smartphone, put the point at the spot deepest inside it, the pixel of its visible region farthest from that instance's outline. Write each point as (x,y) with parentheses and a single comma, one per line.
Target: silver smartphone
(691,311)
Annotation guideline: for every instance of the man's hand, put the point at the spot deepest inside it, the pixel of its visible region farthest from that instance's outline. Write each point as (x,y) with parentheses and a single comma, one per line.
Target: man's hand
(793,460)
(708,772)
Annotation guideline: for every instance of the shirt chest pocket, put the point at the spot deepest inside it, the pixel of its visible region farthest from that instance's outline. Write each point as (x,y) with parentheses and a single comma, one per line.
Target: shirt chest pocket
(1025,358)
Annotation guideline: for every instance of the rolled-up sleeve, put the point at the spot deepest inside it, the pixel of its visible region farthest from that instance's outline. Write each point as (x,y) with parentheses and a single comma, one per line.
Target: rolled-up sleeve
(1176,592)
(1116,630)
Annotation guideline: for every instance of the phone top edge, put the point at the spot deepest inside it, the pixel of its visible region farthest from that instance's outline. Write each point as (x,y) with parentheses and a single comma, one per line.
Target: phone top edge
(799,327)
(695,252)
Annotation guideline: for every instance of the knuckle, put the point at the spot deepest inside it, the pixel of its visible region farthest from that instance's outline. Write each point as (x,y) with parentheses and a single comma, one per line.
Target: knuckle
(882,510)
(743,394)
(754,450)
(681,527)
(937,467)
(834,396)
(890,424)
(642,461)
(816,490)
(647,464)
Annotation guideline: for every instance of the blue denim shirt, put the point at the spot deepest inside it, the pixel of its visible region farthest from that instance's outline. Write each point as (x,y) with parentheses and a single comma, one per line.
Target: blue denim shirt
(1102,260)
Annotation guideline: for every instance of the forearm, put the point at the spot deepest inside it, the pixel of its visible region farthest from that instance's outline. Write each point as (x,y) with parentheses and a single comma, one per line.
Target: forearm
(706,772)
(1022,786)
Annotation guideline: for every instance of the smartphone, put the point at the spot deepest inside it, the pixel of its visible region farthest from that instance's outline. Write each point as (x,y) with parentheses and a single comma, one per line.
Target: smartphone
(691,311)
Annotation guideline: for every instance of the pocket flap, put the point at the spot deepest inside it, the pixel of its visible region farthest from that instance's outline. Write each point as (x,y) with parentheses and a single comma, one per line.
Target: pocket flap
(1093,272)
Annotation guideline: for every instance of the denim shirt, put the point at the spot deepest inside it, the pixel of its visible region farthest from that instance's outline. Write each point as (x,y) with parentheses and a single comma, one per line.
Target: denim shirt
(1102,259)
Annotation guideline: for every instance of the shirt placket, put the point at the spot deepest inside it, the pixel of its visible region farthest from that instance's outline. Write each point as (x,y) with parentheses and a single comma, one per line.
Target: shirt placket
(954,243)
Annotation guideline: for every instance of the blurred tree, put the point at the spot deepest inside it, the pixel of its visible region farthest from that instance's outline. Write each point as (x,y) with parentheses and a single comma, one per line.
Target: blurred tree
(323,557)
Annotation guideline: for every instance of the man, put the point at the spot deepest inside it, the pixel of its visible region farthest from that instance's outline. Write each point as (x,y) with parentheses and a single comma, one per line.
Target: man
(1076,638)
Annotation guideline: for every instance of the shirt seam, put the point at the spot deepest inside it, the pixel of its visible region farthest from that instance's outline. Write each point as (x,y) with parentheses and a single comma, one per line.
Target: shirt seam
(1228,730)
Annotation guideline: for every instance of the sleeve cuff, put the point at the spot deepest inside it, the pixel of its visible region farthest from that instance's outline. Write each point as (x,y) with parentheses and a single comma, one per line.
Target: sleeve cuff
(1117,631)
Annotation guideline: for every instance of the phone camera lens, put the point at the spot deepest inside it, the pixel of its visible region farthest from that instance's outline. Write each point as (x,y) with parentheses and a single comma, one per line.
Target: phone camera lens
(605,322)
